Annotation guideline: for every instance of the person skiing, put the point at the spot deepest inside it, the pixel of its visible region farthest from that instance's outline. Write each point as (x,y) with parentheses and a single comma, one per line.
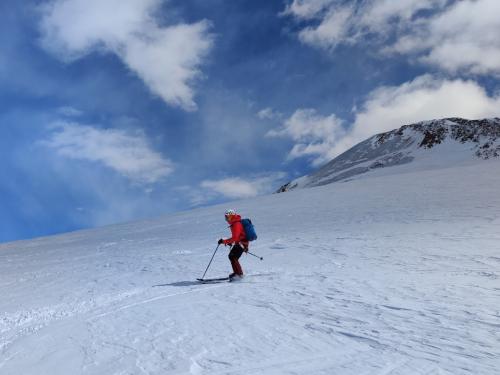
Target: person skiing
(238,242)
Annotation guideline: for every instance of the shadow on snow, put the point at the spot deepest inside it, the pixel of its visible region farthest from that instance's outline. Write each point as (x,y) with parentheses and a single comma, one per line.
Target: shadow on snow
(180,283)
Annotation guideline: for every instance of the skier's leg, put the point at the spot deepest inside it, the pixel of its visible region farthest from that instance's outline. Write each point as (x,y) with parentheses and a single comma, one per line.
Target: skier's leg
(236,266)
(240,270)
(234,255)
(234,260)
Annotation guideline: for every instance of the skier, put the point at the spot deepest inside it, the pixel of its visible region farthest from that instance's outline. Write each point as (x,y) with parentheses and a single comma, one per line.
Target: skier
(238,241)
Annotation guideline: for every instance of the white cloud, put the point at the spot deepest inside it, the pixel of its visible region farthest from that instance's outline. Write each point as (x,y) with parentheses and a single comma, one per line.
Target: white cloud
(333,29)
(167,59)
(315,135)
(344,23)
(127,154)
(237,187)
(269,114)
(387,108)
(462,38)
(307,9)
(458,36)
(69,112)
(234,187)
(379,16)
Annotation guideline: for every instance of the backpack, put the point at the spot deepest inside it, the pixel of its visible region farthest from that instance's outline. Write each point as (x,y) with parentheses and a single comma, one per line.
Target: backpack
(249,229)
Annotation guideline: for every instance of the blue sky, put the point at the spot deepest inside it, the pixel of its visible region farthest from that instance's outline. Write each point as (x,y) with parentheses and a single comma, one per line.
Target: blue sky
(113,111)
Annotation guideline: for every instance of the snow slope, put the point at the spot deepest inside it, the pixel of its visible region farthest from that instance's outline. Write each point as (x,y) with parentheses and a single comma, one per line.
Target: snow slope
(395,274)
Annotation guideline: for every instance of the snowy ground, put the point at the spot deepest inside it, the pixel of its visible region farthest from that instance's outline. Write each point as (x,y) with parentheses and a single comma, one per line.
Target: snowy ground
(383,275)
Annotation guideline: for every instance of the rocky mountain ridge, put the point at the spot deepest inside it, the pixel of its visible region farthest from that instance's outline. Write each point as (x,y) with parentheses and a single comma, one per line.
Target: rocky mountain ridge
(478,139)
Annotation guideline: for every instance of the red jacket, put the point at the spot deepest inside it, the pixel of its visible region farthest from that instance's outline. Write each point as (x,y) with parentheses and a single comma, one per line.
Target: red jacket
(237,232)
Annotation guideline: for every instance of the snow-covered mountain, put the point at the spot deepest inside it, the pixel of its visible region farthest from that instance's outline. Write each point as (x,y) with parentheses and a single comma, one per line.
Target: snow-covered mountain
(429,144)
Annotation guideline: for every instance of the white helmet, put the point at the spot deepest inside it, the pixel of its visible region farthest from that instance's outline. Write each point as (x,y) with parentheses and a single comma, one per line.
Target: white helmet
(230,212)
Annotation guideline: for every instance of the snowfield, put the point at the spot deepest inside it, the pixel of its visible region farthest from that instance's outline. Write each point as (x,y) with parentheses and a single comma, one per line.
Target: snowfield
(383,274)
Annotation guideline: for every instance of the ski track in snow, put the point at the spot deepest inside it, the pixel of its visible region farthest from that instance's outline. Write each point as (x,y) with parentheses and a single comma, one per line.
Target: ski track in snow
(389,276)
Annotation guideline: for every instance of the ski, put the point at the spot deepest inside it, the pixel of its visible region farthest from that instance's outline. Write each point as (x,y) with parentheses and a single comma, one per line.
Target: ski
(217,280)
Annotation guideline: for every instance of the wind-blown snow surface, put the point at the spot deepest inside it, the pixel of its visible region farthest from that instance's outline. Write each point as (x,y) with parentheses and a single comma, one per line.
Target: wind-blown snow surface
(396,274)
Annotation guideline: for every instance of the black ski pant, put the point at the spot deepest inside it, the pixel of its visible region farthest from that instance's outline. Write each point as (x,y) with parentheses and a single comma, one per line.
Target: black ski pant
(234,255)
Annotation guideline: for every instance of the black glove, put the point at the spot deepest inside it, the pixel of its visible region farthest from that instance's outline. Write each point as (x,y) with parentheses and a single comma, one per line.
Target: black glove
(221,241)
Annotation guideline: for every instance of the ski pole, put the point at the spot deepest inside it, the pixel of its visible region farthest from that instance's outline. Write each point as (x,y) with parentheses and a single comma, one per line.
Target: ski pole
(248,252)
(210,261)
